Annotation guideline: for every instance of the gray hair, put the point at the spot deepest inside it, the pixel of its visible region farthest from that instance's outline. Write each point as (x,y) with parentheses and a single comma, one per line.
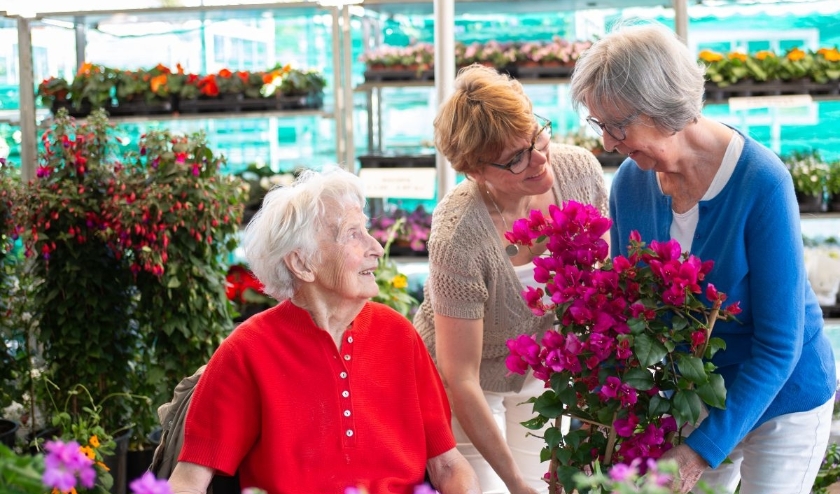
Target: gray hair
(640,69)
(290,219)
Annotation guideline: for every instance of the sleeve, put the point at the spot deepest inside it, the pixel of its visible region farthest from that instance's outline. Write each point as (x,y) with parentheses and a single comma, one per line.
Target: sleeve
(437,416)
(456,287)
(774,255)
(223,417)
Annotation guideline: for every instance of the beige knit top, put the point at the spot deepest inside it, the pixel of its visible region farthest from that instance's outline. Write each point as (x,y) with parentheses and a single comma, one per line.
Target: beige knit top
(471,277)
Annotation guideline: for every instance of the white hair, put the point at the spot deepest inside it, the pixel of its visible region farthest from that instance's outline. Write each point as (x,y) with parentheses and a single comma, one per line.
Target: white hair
(640,69)
(290,219)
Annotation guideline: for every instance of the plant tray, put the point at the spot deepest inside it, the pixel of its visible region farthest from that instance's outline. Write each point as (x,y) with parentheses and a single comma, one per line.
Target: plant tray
(399,75)
(543,72)
(407,161)
(140,108)
(209,105)
(769,88)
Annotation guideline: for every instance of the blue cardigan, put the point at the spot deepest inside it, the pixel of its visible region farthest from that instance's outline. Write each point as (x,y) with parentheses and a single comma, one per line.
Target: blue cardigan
(777,358)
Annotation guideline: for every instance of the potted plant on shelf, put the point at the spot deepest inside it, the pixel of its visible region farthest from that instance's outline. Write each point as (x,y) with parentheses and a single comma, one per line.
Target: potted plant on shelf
(809,174)
(393,285)
(144,92)
(93,87)
(409,239)
(832,186)
(54,92)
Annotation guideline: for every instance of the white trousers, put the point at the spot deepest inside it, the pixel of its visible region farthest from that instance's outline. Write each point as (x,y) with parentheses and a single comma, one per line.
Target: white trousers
(525,448)
(782,456)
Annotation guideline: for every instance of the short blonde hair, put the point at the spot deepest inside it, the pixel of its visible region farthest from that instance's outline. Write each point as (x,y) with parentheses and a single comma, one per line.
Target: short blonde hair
(486,111)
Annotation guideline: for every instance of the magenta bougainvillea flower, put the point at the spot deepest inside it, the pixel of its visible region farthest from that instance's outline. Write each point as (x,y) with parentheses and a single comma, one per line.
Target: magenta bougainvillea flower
(630,354)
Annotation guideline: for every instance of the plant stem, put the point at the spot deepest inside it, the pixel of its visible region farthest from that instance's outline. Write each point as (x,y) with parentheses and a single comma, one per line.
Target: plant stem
(713,316)
(611,438)
(552,466)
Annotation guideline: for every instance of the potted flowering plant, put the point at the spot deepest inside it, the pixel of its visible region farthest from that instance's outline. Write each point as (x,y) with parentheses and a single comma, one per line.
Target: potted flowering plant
(810,174)
(630,355)
(411,234)
(393,285)
(54,92)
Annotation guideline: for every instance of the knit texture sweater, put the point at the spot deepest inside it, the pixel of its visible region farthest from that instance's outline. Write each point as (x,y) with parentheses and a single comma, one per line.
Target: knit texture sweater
(471,277)
(777,358)
(295,414)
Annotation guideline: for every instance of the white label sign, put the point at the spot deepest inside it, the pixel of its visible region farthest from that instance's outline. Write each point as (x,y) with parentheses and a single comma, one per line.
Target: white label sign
(784,101)
(399,183)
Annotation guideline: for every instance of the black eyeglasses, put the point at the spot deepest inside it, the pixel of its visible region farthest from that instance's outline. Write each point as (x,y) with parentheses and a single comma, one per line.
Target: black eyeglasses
(540,142)
(617,132)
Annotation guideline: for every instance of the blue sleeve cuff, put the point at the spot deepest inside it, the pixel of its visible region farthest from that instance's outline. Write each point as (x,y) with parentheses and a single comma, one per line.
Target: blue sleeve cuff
(706,448)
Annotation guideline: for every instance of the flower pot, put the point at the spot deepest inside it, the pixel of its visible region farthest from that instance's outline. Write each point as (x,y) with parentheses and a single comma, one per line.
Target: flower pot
(809,203)
(116,463)
(8,430)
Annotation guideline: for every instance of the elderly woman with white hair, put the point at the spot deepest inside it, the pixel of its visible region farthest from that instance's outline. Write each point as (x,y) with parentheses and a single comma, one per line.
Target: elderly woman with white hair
(326,390)
(727,198)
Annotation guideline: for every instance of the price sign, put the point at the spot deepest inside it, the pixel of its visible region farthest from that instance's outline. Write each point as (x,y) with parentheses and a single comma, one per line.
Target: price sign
(399,183)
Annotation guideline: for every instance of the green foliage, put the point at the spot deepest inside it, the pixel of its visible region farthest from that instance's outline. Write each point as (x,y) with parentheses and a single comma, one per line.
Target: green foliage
(393,285)
(95,84)
(20,474)
(820,66)
(127,256)
(183,312)
(809,172)
(829,472)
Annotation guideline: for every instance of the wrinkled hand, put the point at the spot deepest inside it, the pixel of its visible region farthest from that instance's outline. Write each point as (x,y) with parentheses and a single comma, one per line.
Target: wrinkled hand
(690,464)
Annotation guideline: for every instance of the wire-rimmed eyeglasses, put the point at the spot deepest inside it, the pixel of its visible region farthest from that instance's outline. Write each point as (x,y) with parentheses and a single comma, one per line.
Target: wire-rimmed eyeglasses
(617,132)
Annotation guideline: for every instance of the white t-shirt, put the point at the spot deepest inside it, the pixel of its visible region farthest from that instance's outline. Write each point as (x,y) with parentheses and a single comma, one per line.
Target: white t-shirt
(684,224)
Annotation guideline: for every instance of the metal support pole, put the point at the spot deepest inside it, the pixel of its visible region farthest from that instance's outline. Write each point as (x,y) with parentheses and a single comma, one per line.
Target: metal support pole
(681,19)
(28,148)
(347,58)
(444,12)
(81,40)
(338,95)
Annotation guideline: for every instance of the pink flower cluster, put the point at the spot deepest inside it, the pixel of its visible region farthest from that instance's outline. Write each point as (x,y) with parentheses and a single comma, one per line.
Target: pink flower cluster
(625,326)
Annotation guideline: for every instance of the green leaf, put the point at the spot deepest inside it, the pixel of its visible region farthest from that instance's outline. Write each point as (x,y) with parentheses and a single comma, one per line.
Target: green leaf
(686,406)
(713,393)
(640,379)
(692,368)
(649,350)
(536,423)
(553,437)
(658,405)
(549,405)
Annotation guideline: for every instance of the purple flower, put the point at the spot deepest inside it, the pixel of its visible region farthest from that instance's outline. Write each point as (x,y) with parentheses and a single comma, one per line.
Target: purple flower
(622,472)
(63,462)
(148,484)
(424,489)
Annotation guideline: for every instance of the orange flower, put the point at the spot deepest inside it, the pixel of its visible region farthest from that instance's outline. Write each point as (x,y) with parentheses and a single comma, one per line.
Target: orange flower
(180,68)
(94,441)
(710,56)
(243,75)
(157,82)
(736,55)
(71,491)
(761,55)
(208,86)
(225,73)
(795,54)
(85,69)
(104,466)
(163,68)
(830,54)
(87,451)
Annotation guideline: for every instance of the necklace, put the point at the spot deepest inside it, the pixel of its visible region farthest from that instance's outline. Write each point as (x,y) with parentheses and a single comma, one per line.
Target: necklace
(512,249)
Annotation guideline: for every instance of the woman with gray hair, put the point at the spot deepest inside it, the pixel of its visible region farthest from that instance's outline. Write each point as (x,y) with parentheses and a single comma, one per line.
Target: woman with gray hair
(326,390)
(727,198)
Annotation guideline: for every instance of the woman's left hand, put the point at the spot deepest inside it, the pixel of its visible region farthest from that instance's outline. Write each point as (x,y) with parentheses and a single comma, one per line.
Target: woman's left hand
(691,467)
